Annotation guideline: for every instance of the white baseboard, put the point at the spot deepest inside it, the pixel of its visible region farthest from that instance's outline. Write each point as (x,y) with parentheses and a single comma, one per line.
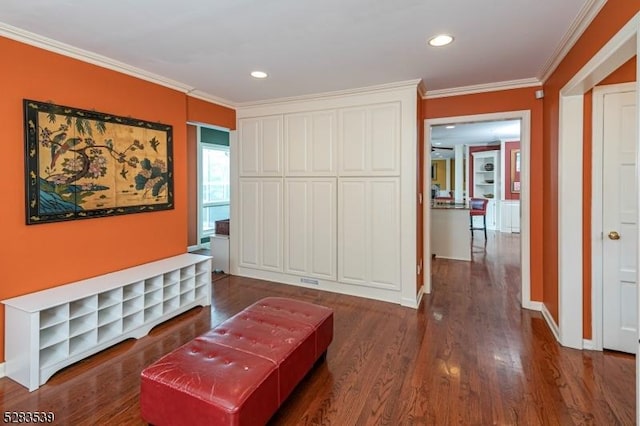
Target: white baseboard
(551,323)
(2,374)
(193,248)
(532,306)
(413,303)
(589,345)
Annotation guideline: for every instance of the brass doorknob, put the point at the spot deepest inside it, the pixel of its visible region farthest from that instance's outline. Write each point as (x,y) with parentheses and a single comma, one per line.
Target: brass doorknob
(613,235)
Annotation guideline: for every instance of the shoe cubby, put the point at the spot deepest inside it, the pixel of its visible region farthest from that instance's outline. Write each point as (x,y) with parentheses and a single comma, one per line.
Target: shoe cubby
(54,353)
(133,305)
(171,304)
(153,284)
(81,342)
(53,334)
(54,315)
(109,330)
(187,297)
(81,307)
(82,324)
(171,277)
(187,272)
(132,291)
(77,320)
(153,312)
(171,291)
(133,321)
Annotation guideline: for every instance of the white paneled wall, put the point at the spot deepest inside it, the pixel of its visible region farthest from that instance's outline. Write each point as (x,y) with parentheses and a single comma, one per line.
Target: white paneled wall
(368,232)
(261,223)
(310,233)
(321,190)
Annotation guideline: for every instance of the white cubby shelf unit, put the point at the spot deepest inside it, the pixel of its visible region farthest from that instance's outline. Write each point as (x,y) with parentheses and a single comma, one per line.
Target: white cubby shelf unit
(48,330)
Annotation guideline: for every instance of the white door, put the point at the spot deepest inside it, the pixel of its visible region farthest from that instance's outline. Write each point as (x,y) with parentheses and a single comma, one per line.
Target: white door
(619,200)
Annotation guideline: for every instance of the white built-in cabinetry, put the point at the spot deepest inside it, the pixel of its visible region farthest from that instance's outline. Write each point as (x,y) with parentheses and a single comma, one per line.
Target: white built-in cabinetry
(331,216)
(310,232)
(261,223)
(48,330)
(510,216)
(311,143)
(261,146)
(368,228)
(369,140)
(486,184)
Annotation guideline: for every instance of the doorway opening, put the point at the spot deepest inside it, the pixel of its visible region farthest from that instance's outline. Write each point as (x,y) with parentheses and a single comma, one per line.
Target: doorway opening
(464,186)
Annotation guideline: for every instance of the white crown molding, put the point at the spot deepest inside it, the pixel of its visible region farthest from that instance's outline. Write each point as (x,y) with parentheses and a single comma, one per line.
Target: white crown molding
(586,15)
(64,49)
(483,88)
(380,88)
(422,89)
(203,96)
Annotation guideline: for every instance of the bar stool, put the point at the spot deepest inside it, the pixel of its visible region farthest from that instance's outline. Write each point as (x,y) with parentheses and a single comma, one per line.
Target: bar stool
(478,207)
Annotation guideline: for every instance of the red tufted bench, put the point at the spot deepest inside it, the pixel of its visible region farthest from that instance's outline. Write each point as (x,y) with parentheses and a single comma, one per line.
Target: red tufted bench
(241,371)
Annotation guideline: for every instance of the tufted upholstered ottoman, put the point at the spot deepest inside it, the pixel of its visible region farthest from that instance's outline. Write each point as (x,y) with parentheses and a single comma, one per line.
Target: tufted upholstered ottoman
(241,371)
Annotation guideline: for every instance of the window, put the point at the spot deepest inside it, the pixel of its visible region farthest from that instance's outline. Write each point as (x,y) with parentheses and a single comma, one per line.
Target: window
(215,185)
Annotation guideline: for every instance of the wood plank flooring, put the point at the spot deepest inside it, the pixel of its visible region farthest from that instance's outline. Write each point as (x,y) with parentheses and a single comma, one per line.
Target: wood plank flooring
(468,356)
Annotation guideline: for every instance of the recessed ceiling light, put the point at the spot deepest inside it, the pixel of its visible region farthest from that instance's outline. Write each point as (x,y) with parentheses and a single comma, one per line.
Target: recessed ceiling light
(437,143)
(258,74)
(440,40)
(451,126)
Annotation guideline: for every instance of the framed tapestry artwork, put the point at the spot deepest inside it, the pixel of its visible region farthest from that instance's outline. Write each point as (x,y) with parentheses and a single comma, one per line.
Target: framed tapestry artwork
(84,164)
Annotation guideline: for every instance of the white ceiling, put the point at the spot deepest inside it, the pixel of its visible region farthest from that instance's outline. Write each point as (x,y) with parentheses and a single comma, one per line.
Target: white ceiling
(477,133)
(308,47)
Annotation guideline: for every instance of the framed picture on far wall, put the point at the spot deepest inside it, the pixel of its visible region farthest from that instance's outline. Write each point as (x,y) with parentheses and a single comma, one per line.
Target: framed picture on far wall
(515,170)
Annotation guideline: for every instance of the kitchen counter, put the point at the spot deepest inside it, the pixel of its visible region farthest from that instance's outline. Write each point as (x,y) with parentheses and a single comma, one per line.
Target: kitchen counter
(450,235)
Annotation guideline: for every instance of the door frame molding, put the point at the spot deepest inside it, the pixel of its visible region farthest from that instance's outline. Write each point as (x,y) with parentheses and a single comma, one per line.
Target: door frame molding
(525,192)
(618,50)
(597,228)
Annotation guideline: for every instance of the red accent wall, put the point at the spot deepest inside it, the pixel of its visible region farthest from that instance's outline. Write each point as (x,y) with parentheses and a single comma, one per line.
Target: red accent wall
(509,147)
(42,256)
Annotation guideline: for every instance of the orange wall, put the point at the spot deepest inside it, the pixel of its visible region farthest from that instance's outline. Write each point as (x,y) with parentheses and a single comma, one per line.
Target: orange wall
(41,256)
(624,74)
(199,111)
(502,101)
(611,18)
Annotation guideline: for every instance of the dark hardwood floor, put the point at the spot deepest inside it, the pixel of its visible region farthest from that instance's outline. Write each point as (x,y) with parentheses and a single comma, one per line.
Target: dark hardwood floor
(469,355)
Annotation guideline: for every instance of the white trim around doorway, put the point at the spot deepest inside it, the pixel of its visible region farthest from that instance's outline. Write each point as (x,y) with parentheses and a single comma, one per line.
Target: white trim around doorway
(597,290)
(525,204)
(619,49)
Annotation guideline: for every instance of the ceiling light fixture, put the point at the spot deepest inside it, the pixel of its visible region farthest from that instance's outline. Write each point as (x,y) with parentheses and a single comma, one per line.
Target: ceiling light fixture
(440,40)
(258,74)
(451,126)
